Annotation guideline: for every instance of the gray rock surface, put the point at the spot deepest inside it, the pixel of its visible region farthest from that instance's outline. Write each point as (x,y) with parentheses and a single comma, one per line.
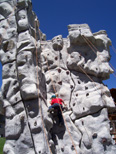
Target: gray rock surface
(34,69)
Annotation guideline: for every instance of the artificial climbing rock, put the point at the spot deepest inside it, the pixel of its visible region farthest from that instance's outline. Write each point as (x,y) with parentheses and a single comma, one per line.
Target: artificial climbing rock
(34,69)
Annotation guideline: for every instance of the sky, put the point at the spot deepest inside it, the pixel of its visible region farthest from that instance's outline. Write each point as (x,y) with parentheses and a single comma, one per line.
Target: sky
(55,15)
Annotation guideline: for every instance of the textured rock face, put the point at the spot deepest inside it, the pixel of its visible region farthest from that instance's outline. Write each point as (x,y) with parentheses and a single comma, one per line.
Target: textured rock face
(34,69)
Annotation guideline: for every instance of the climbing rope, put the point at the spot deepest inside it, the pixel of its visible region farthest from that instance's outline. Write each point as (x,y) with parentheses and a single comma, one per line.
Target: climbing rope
(89,78)
(62,111)
(79,107)
(55,91)
(59,105)
(114,49)
(10,16)
(38,83)
(61,108)
(94,49)
(1,40)
(68,128)
(87,74)
(66,122)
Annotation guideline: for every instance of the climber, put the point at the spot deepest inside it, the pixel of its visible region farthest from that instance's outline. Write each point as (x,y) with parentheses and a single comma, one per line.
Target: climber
(57,103)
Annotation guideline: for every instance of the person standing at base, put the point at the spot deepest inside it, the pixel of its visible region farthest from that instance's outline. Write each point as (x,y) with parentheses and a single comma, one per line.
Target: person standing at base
(57,103)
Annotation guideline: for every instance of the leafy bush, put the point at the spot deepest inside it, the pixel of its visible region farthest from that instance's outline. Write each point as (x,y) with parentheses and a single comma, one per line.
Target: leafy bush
(2,141)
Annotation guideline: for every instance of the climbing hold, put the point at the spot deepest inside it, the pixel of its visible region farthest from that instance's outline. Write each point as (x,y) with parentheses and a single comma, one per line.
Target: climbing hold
(71,86)
(62,149)
(73,104)
(83,108)
(35,123)
(71,56)
(16,98)
(76,94)
(8,57)
(72,147)
(87,94)
(82,65)
(86,88)
(82,122)
(56,58)
(67,72)
(10,65)
(59,70)
(79,82)
(60,82)
(104,140)
(26,57)
(94,135)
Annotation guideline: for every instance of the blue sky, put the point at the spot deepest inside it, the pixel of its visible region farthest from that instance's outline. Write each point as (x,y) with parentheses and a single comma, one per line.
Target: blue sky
(55,15)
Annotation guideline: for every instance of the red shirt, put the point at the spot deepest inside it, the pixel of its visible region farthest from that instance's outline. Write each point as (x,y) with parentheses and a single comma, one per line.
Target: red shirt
(56,100)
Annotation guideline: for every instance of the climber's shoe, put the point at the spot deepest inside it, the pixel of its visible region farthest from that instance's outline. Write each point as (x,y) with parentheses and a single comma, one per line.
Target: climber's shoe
(50,110)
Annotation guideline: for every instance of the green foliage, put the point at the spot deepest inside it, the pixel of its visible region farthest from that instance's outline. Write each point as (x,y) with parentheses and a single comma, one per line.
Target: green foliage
(2,141)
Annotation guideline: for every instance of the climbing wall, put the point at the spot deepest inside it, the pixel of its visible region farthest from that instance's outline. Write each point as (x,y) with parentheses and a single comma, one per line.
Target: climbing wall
(34,69)
(22,95)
